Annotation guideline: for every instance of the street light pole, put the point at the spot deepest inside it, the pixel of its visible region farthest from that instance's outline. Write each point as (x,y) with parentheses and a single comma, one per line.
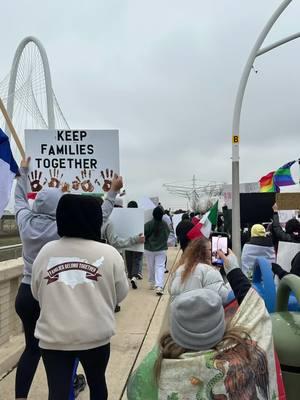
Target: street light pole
(236,220)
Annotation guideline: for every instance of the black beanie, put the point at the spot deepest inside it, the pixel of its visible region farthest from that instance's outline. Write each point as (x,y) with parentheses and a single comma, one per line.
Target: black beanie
(132,204)
(79,216)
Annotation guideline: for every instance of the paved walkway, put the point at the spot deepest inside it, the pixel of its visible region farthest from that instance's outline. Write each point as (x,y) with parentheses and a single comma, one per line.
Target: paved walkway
(138,325)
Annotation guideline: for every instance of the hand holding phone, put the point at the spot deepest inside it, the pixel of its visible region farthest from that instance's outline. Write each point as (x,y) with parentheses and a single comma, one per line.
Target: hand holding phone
(219,241)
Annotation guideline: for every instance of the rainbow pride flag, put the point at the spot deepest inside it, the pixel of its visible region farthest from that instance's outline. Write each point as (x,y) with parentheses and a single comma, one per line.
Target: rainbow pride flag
(267,183)
(283,177)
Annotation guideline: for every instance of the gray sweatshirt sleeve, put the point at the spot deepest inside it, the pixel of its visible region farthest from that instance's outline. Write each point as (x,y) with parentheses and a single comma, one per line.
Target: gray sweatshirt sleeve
(108,205)
(121,282)
(22,208)
(36,277)
(117,241)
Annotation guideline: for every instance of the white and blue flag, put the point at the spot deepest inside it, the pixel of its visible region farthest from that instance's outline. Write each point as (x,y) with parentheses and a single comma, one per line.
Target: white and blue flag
(8,171)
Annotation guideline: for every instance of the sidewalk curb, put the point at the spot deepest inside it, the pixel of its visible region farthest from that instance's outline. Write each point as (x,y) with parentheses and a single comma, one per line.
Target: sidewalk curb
(10,353)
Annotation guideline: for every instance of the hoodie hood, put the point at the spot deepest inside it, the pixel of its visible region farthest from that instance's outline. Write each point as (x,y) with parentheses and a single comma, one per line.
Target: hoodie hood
(46,201)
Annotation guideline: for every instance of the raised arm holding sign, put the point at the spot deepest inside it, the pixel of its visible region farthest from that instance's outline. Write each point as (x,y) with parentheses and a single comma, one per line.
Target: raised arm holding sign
(79,160)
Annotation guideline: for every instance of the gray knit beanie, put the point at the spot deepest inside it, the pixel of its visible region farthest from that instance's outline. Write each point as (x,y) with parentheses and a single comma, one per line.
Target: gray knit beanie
(197,319)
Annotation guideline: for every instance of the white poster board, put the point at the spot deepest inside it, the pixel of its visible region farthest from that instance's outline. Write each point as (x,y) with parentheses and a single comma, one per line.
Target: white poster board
(249,187)
(176,218)
(80,161)
(286,253)
(128,222)
(147,205)
(155,200)
(286,215)
(148,215)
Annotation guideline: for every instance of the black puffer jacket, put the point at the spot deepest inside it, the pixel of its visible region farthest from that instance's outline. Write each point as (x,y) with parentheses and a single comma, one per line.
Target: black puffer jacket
(292,233)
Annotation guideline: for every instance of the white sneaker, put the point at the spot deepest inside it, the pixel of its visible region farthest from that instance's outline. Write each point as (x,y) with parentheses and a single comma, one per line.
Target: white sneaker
(133,283)
(151,286)
(159,291)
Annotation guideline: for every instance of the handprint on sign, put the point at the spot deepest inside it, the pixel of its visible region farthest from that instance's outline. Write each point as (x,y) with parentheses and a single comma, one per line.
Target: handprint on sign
(86,185)
(54,181)
(35,183)
(76,184)
(65,187)
(107,178)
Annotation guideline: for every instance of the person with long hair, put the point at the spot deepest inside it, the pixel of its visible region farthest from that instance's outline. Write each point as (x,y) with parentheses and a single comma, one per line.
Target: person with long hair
(156,234)
(77,281)
(182,229)
(205,355)
(195,271)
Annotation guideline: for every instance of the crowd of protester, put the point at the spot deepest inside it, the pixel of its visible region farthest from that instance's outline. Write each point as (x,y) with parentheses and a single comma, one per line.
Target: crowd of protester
(70,318)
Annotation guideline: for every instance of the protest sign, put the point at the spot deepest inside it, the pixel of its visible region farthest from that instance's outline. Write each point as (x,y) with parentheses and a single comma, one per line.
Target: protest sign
(146,203)
(128,222)
(288,201)
(176,218)
(286,253)
(285,215)
(155,200)
(148,206)
(80,161)
(249,187)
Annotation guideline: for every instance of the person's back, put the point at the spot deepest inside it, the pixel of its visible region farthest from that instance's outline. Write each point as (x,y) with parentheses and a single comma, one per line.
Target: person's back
(203,276)
(88,279)
(77,281)
(196,272)
(213,358)
(182,229)
(37,226)
(134,259)
(156,235)
(259,245)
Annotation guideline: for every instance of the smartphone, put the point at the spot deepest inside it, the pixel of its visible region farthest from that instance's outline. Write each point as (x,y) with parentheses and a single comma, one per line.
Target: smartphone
(219,241)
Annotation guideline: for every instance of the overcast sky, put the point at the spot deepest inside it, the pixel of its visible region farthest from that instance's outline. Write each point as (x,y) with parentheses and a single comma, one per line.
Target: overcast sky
(165,73)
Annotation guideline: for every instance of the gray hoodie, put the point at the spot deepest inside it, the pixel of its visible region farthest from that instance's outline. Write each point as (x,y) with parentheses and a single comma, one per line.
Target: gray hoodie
(38,226)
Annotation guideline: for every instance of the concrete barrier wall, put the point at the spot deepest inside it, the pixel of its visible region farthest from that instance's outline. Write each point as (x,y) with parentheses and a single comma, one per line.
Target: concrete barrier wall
(10,252)
(10,277)
(8,224)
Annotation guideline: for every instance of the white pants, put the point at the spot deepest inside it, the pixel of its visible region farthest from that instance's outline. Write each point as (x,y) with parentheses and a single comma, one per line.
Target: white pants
(156,266)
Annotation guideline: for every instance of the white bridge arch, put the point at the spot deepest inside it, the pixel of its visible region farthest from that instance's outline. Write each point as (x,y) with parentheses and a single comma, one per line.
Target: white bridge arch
(28,93)
(48,81)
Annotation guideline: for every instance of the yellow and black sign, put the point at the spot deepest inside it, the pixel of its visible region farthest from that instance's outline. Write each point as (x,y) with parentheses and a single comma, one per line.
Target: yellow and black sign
(235,139)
